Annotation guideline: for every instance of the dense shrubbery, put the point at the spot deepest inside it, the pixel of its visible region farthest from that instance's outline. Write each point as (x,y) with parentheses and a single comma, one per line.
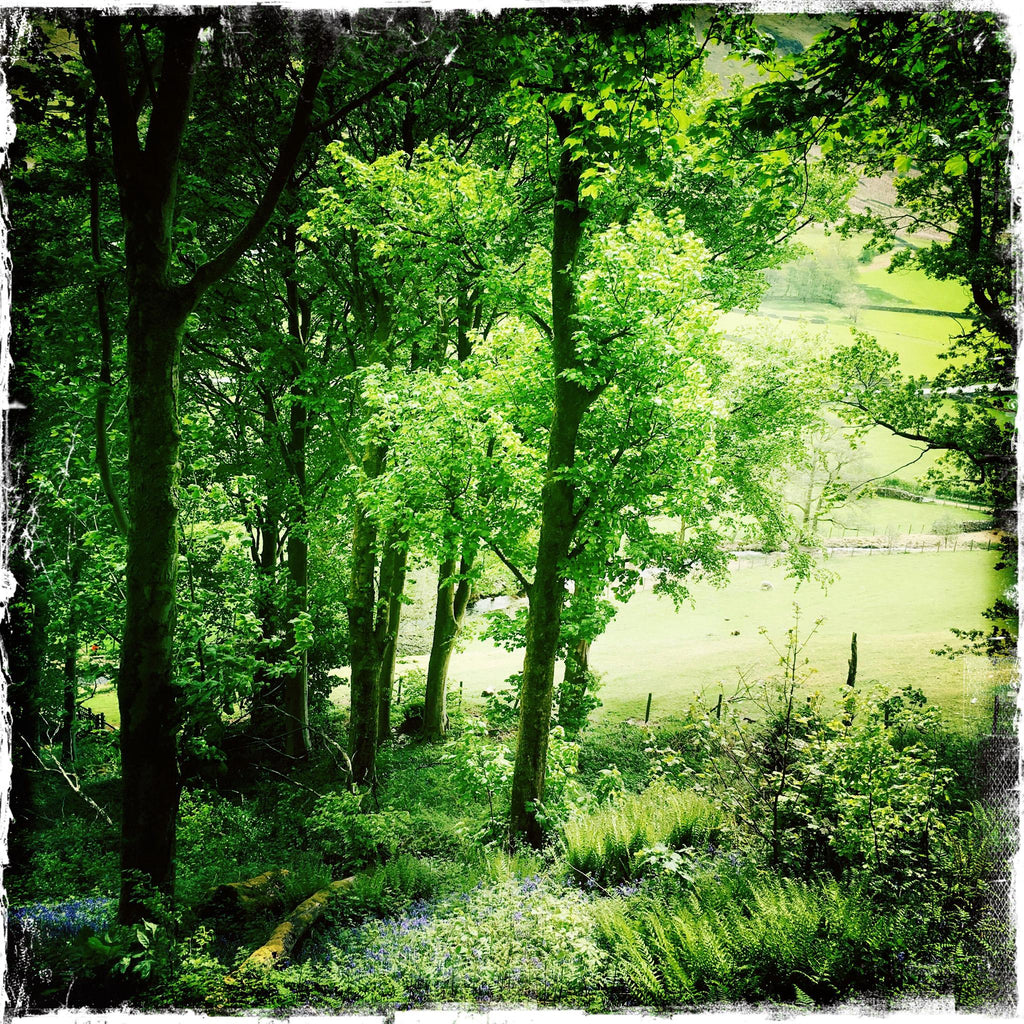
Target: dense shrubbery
(792,853)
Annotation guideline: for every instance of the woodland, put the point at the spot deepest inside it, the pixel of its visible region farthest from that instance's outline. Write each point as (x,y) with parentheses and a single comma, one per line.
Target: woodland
(349,345)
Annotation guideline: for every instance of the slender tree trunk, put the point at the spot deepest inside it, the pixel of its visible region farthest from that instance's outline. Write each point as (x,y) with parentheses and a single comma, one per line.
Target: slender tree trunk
(296,695)
(363,637)
(810,520)
(449,612)
(265,716)
(574,682)
(392,587)
(103,321)
(23,632)
(558,525)
(76,559)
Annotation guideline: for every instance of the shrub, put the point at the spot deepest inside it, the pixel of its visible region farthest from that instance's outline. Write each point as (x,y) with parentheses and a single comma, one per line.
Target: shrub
(620,841)
(575,699)
(973,847)
(391,888)
(352,838)
(220,841)
(620,746)
(79,853)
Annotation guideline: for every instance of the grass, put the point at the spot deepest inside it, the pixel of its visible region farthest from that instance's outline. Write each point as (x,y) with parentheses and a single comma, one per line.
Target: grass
(900,605)
(875,517)
(916,288)
(880,516)
(105,702)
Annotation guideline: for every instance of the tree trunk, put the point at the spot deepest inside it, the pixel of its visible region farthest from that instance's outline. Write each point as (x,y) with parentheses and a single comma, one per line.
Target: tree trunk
(76,559)
(810,520)
(146,697)
(547,592)
(365,656)
(449,612)
(574,682)
(392,587)
(296,695)
(265,717)
(23,632)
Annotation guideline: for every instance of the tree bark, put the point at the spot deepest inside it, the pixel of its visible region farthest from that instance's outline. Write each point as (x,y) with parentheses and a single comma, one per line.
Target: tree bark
(547,592)
(449,612)
(363,638)
(392,587)
(76,559)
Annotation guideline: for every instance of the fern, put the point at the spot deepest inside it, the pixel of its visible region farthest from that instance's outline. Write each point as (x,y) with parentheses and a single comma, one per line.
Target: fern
(784,939)
(604,845)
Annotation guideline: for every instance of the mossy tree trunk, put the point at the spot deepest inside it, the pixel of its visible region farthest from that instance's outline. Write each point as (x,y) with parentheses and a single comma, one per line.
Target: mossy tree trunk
(363,636)
(449,611)
(558,523)
(392,587)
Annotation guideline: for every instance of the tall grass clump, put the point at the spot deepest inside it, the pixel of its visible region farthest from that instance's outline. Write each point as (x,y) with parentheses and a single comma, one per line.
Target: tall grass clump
(614,843)
(786,939)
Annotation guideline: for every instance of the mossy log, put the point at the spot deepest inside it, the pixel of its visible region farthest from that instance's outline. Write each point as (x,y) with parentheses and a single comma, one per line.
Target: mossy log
(290,932)
(264,892)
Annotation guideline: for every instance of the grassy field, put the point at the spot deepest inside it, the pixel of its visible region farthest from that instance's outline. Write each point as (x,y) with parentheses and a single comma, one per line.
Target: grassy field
(105,703)
(880,517)
(890,516)
(900,605)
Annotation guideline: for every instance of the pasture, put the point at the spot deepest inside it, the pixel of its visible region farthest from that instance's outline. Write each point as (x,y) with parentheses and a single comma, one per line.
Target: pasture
(900,605)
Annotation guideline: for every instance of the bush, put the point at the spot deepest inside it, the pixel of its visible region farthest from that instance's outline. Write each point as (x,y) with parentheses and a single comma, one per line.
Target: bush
(79,854)
(390,889)
(637,834)
(350,837)
(622,746)
(574,701)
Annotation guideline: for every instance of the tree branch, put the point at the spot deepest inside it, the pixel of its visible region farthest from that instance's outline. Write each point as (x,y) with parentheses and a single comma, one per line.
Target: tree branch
(71,780)
(299,131)
(524,582)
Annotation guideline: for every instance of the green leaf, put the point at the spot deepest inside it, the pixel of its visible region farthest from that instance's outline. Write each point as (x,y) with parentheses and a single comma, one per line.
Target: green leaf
(955,165)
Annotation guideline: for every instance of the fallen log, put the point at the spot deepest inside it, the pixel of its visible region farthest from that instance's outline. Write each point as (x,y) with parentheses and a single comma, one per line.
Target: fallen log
(291,931)
(264,892)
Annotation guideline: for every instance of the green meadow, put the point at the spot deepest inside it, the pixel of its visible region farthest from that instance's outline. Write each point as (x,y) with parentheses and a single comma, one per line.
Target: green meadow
(901,605)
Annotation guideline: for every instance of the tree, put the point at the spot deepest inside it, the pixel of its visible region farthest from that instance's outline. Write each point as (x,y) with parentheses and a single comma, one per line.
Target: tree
(611,108)
(924,96)
(147,172)
(864,93)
